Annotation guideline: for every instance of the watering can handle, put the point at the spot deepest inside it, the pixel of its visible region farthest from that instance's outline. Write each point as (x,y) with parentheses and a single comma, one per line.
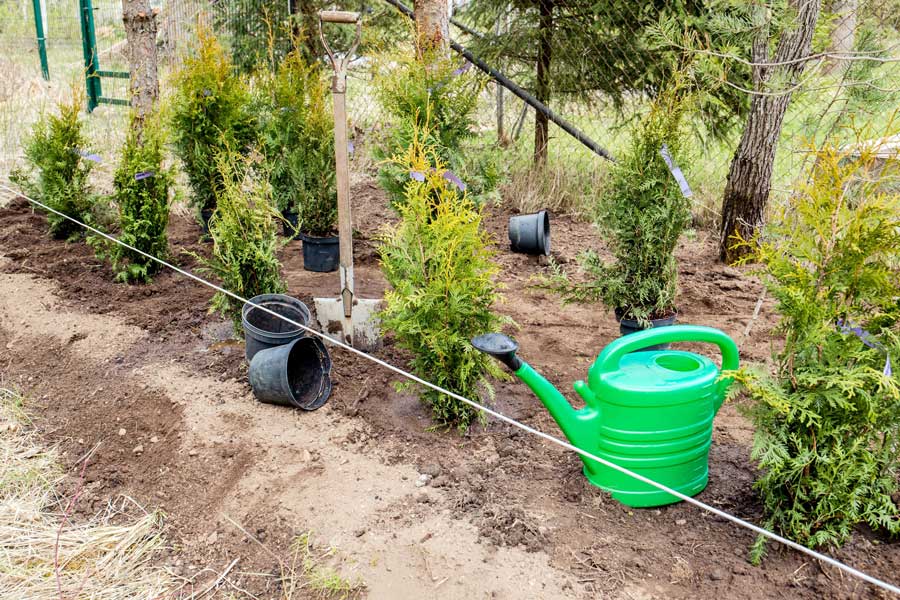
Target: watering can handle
(613,353)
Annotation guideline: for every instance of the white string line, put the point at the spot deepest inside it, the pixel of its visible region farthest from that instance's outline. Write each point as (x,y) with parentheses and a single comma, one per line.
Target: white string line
(702,505)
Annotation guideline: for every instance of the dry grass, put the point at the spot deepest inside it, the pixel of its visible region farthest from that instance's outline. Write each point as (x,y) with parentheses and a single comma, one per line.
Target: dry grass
(49,555)
(555,188)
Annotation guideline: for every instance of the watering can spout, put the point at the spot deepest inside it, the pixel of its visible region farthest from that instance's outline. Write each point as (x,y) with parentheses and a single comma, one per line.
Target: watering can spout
(573,423)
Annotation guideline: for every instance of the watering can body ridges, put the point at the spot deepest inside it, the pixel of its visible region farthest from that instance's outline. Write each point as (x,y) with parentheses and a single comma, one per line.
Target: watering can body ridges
(649,412)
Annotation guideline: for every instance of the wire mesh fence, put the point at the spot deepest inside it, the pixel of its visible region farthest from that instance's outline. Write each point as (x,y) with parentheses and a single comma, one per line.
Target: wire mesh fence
(606,60)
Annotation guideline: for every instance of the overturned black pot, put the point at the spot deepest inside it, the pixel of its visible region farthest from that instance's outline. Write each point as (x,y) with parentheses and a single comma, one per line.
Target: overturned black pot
(295,374)
(290,224)
(530,234)
(627,326)
(320,254)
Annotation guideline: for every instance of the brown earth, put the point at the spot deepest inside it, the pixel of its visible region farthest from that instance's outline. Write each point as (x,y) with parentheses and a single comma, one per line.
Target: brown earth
(504,515)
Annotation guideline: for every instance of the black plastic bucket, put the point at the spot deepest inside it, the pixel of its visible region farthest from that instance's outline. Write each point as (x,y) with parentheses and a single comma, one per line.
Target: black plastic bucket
(627,326)
(295,374)
(530,234)
(320,254)
(263,330)
(205,216)
(289,224)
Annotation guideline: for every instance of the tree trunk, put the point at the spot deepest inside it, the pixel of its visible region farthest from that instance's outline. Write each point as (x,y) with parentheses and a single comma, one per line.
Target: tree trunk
(542,86)
(750,177)
(843,36)
(433,26)
(140,30)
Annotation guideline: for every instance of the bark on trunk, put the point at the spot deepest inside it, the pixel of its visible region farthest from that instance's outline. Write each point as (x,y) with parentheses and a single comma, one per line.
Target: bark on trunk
(750,176)
(140,29)
(843,36)
(433,26)
(542,86)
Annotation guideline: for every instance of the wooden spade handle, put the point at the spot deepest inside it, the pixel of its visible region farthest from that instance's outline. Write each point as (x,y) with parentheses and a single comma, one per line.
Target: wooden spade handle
(338,16)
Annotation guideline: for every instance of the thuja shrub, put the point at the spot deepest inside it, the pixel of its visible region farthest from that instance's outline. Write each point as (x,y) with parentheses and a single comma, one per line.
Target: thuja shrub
(142,184)
(245,239)
(298,141)
(58,167)
(420,91)
(827,419)
(210,113)
(440,268)
(641,216)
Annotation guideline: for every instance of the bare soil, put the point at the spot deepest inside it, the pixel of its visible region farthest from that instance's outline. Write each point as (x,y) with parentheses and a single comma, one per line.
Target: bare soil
(503,515)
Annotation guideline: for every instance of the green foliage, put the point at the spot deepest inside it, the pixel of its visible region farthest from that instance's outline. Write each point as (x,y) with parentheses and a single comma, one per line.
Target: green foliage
(828,420)
(210,114)
(439,266)
(57,172)
(435,95)
(641,216)
(142,186)
(298,141)
(258,31)
(245,239)
(609,52)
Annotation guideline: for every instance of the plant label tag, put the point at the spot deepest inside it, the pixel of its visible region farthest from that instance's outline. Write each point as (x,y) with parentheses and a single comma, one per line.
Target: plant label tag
(143,175)
(87,155)
(676,172)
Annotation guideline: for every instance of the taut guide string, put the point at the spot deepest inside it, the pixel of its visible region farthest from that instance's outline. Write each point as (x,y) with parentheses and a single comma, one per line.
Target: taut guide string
(499,416)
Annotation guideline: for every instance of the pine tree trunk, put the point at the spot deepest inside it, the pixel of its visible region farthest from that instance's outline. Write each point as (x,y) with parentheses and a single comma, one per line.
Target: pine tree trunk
(750,176)
(140,29)
(542,87)
(433,25)
(843,36)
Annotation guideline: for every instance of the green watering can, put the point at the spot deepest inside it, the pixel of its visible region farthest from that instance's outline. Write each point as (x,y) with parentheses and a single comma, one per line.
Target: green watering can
(649,412)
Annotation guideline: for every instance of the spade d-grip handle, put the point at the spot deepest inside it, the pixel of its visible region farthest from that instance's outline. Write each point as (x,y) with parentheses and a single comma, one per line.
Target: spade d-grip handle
(502,347)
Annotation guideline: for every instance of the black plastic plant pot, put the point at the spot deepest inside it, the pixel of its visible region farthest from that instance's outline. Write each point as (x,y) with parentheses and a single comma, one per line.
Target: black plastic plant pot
(295,374)
(290,223)
(530,234)
(627,326)
(264,330)
(320,254)
(205,216)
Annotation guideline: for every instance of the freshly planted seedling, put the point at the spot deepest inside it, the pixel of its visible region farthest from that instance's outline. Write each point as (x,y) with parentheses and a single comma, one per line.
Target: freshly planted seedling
(440,267)
(641,216)
(58,168)
(298,141)
(210,113)
(828,419)
(245,239)
(142,185)
(428,93)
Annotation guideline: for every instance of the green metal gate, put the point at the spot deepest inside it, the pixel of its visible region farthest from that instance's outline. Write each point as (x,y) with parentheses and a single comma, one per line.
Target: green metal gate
(93,74)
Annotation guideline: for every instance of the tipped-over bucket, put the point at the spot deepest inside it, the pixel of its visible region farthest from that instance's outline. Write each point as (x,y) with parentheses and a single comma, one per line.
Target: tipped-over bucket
(295,374)
(530,234)
(264,330)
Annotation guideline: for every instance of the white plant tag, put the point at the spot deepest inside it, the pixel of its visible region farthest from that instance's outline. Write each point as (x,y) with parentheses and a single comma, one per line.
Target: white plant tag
(676,172)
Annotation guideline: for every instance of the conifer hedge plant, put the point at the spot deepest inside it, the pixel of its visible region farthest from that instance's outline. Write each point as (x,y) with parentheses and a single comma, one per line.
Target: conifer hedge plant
(142,183)
(245,238)
(641,215)
(210,114)
(421,91)
(298,141)
(439,265)
(58,167)
(827,418)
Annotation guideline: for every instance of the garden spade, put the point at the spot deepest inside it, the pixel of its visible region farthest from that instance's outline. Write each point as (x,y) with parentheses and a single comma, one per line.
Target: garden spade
(353,317)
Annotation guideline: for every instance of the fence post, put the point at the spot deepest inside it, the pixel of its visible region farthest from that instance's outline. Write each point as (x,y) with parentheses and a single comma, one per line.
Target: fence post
(91,58)
(39,20)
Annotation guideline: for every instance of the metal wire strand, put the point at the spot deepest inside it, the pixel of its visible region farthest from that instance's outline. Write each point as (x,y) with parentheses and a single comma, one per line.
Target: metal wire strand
(499,416)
